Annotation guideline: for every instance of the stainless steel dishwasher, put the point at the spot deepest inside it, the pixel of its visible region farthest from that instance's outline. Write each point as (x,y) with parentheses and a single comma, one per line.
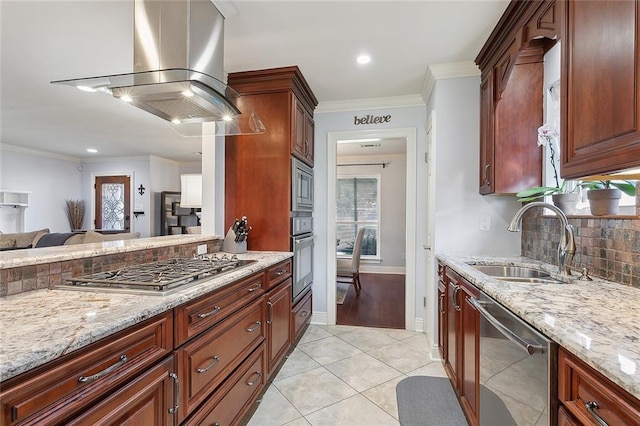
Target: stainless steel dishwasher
(517,369)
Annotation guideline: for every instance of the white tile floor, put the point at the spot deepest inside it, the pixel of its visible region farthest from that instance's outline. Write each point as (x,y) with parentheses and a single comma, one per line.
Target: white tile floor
(343,375)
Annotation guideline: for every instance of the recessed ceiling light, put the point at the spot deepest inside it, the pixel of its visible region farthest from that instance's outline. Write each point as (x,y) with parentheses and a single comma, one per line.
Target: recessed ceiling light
(187,93)
(176,121)
(227,118)
(92,150)
(125,98)
(363,59)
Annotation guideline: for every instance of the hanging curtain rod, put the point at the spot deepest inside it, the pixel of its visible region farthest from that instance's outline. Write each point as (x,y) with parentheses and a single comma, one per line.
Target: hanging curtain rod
(383,164)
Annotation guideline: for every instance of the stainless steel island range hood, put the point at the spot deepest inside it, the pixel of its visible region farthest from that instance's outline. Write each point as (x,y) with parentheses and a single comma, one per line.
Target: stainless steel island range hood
(178,67)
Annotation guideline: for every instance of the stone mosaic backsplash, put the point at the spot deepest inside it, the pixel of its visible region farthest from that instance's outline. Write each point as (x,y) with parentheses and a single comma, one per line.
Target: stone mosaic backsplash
(34,277)
(609,248)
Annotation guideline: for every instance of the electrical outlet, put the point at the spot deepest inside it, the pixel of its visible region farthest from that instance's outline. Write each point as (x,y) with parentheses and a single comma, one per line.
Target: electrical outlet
(202,249)
(485,222)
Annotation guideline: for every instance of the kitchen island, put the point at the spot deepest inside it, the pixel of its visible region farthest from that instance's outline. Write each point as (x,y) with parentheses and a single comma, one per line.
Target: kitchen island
(596,322)
(43,330)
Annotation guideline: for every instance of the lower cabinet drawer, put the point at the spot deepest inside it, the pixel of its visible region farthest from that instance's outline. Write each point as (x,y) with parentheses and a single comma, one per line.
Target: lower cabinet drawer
(588,395)
(301,316)
(148,400)
(232,400)
(54,391)
(205,362)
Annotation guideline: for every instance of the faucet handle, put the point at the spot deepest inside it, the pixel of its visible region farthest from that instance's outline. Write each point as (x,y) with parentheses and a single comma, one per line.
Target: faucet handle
(585,275)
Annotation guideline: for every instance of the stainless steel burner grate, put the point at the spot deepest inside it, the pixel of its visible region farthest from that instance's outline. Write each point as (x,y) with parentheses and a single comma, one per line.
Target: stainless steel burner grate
(157,277)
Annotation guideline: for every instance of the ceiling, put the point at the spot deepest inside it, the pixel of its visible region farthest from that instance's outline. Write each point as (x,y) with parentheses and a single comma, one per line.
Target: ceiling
(50,40)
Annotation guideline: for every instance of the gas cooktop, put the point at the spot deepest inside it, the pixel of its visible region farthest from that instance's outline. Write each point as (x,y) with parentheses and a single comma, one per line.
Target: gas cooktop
(157,278)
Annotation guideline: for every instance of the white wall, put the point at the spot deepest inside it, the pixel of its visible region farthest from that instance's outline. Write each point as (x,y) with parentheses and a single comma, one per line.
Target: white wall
(343,121)
(164,176)
(458,203)
(51,180)
(392,208)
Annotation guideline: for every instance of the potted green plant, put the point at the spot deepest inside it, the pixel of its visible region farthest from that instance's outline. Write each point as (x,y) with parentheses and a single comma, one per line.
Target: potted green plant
(563,196)
(604,195)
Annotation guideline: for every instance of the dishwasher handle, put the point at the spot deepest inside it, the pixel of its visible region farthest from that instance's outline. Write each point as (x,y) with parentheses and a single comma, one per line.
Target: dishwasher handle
(508,333)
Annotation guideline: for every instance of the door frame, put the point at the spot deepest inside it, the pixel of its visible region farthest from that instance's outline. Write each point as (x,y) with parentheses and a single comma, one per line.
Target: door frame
(131,176)
(411,136)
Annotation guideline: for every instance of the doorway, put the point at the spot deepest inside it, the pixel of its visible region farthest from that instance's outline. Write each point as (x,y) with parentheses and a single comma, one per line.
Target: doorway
(409,136)
(112,195)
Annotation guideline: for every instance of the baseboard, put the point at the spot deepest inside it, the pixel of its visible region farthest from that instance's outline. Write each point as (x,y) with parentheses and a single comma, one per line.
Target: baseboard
(374,269)
(419,325)
(320,318)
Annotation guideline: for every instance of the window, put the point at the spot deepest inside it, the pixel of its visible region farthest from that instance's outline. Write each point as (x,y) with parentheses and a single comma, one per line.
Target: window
(358,206)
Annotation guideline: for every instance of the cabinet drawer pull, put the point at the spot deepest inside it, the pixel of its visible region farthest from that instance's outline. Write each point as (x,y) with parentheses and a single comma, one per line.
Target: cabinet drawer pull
(176,393)
(208,314)
(270,306)
(254,288)
(251,383)
(281,272)
(591,406)
(83,379)
(304,314)
(254,328)
(454,297)
(210,366)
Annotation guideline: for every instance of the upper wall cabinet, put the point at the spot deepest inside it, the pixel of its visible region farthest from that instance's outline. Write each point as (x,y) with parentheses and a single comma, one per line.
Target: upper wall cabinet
(511,96)
(600,100)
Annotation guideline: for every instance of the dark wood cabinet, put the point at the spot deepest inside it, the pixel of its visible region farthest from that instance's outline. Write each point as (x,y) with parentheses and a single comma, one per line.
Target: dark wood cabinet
(600,93)
(470,355)
(148,400)
(301,316)
(587,394)
(258,172)
(511,96)
(57,390)
(278,321)
(460,339)
(442,312)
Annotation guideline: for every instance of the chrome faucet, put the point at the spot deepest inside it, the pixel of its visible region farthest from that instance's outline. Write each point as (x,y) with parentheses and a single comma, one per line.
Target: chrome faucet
(567,246)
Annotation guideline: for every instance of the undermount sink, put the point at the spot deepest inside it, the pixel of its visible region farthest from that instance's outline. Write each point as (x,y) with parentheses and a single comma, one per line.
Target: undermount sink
(519,274)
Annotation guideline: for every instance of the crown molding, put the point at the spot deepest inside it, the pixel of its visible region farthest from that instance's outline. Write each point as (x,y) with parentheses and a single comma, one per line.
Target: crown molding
(39,153)
(370,103)
(448,70)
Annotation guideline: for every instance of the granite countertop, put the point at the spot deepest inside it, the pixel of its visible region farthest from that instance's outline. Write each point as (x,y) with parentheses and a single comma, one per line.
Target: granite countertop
(42,325)
(598,321)
(36,256)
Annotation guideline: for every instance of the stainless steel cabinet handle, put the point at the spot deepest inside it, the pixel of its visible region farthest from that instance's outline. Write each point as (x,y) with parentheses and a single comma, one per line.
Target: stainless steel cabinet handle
(281,272)
(85,379)
(442,303)
(208,314)
(454,298)
(254,328)
(486,174)
(591,406)
(304,313)
(270,306)
(210,366)
(304,240)
(254,288)
(251,383)
(530,348)
(176,394)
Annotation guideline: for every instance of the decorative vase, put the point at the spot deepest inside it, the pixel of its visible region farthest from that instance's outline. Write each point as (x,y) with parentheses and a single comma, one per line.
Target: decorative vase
(566,202)
(604,201)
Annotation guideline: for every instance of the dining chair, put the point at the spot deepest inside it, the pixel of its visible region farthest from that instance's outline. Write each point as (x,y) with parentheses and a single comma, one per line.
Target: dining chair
(348,270)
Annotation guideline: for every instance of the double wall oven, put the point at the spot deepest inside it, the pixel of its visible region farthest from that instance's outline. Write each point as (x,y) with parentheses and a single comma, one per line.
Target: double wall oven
(302,236)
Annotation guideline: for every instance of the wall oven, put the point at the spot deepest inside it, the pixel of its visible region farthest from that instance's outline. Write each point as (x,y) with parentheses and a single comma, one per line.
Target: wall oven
(302,240)
(301,186)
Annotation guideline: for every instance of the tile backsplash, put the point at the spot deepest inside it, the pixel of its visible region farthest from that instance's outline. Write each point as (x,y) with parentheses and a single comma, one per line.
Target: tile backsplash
(609,248)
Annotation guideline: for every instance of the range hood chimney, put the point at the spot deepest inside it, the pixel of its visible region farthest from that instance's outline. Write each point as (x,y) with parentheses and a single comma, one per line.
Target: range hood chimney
(178,70)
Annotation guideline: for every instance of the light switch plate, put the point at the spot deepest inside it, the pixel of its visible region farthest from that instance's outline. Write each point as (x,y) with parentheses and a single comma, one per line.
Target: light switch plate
(202,249)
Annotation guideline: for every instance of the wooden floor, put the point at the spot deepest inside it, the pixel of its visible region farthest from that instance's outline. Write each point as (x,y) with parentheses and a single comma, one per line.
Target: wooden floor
(380,303)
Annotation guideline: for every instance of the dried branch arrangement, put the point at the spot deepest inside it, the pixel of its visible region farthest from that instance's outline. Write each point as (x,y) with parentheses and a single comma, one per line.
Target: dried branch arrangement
(75,213)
